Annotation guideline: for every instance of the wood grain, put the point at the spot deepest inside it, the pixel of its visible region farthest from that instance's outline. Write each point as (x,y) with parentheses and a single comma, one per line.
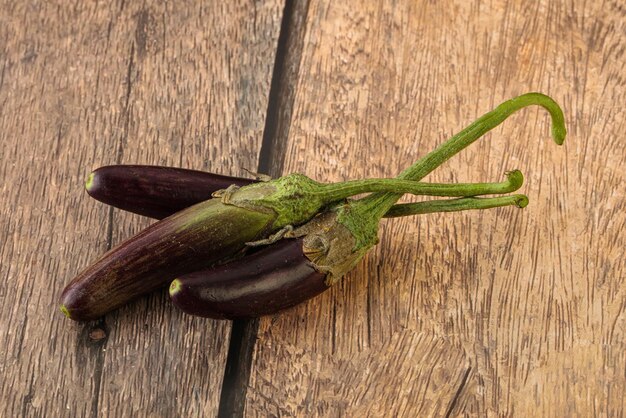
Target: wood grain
(95,83)
(498,313)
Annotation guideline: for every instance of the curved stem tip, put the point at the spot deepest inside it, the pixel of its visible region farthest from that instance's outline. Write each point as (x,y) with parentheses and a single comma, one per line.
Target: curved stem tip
(377,205)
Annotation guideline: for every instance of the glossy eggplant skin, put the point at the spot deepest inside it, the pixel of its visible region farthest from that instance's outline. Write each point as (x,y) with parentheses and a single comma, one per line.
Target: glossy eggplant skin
(192,239)
(155,191)
(270,280)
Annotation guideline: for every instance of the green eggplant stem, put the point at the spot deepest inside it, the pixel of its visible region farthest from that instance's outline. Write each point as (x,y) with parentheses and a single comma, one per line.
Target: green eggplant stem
(337,239)
(296,198)
(375,206)
(456,205)
(338,191)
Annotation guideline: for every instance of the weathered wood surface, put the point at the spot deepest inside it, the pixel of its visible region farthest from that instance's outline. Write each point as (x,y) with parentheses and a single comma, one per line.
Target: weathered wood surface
(503,312)
(498,313)
(94,83)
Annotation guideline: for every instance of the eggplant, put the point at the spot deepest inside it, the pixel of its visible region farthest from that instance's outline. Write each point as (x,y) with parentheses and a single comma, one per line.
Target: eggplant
(274,278)
(154,191)
(189,240)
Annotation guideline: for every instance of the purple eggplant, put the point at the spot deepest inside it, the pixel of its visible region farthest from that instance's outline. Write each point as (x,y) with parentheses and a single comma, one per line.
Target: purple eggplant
(154,191)
(192,239)
(275,278)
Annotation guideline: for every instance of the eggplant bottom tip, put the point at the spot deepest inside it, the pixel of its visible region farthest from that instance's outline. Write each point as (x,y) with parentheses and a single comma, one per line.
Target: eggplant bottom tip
(65,311)
(175,287)
(89,181)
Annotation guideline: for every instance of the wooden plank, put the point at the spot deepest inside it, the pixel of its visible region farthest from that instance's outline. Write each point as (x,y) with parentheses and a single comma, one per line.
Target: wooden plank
(96,83)
(202,96)
(493,313)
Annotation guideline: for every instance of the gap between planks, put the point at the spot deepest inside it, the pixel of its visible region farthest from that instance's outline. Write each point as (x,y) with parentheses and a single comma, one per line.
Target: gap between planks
(271,159)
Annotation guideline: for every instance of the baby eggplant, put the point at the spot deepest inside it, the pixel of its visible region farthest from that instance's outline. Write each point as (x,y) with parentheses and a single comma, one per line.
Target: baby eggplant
(274,278)
(153,191)
(189,240)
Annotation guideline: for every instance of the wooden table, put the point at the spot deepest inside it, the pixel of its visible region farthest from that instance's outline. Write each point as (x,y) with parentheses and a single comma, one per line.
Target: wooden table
(498,313)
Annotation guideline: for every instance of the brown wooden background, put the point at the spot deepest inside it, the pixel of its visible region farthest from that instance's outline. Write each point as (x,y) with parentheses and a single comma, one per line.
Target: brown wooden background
(498,313)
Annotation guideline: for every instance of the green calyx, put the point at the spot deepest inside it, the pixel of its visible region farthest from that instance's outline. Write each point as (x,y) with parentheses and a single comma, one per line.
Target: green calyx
(330,245)
(209,217)
(295,198)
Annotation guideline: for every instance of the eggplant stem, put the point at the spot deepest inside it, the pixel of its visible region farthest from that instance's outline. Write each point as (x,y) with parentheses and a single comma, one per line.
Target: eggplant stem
(338,191)
(375,206)
(456,205)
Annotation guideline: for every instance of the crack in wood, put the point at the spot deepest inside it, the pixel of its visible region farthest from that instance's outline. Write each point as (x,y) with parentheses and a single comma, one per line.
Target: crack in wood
(271,158)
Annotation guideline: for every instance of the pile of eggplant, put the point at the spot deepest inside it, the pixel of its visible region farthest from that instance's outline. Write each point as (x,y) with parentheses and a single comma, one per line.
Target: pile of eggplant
(231,247)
